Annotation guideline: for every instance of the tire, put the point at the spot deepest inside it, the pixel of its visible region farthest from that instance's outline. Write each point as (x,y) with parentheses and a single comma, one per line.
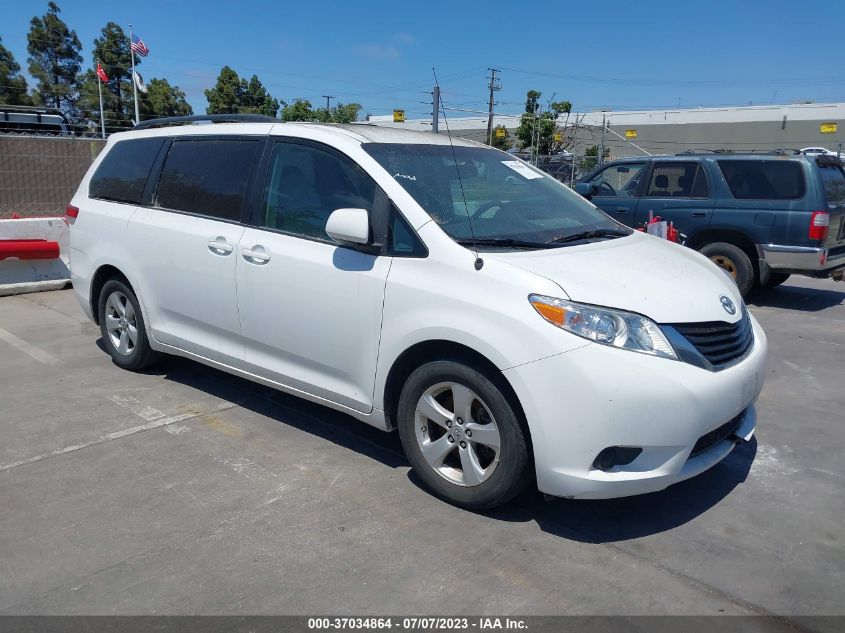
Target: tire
(735,261)
(120,316)
(775,279)
(427,417)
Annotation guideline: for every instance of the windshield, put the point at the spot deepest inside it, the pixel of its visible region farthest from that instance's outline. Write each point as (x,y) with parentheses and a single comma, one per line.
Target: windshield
(502,197)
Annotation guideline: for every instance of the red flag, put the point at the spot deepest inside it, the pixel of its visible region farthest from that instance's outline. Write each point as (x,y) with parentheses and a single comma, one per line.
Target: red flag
(102,74)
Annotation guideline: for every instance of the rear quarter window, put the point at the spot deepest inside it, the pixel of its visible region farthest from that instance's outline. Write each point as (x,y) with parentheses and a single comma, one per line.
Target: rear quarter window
(123,172)
(834,185)
(764,179)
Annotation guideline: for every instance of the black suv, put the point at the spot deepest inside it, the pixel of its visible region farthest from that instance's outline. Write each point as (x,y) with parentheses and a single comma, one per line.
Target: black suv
(760,217)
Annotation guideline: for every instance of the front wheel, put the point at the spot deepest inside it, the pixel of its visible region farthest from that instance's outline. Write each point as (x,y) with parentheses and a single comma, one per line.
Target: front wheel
(462,436)
(733,260)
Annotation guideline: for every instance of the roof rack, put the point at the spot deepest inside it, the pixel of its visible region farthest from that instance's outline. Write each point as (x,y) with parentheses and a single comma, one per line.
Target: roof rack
(206,118)
(773,152)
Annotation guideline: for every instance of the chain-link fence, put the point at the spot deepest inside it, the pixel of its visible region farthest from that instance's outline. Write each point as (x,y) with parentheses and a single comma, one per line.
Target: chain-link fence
(567,168)
(40,174)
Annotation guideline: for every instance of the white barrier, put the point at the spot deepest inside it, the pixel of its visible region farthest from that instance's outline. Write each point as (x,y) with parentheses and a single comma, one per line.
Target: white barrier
(33,275)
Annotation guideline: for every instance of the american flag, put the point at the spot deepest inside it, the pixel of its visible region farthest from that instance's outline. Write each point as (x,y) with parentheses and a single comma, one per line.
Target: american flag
(138,46)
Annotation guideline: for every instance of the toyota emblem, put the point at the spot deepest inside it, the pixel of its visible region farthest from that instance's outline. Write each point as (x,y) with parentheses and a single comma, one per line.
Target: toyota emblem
(727,304)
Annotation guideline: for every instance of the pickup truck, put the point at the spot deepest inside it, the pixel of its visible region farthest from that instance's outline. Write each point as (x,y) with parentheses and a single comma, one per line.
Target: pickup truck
(760,217)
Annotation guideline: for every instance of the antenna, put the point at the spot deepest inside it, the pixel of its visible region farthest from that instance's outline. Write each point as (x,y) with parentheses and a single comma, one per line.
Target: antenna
(479,263)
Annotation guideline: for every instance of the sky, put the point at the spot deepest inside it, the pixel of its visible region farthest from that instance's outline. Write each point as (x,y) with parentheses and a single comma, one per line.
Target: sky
(650,54)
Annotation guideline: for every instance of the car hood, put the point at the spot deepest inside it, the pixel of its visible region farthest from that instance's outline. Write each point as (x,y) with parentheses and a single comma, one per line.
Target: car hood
(640,273)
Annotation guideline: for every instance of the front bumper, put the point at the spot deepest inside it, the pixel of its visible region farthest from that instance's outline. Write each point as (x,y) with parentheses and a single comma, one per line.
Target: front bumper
(583,401)
(802,260)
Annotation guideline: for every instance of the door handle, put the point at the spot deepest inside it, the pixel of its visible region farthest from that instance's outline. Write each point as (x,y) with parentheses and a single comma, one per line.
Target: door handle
(255,256)
(621,209)
(220,246)
(699,214)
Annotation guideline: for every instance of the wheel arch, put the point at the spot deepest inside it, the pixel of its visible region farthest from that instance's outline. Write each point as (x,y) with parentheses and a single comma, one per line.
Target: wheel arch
(440,349)
(98,280)
(731,236)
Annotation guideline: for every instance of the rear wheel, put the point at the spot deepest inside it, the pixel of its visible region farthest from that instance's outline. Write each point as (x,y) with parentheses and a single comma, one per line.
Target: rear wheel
(775,279)
(461,435)
(735,261)
(122,327)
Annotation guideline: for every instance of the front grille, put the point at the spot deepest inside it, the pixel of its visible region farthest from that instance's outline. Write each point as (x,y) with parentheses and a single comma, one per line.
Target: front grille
(719,342)
(709,440)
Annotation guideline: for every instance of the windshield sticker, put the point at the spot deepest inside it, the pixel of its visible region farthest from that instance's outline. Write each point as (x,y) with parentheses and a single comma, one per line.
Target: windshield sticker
(398,175)
(522,169)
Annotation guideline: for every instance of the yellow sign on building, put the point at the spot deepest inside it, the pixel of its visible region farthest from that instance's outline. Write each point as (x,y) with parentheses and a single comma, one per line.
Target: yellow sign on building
(558,137)
(500,132)
(398,116)
(828,128)
(630,134)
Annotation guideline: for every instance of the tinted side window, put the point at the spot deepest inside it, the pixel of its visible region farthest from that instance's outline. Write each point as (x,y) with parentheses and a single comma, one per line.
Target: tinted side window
(834,185)
(207,177)
(764,179)
(306,184)
(619,180)
(699,185)
(123,173)
(672,180)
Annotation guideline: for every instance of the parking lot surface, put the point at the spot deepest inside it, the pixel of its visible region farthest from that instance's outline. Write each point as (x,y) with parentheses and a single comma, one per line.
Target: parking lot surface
(184,490)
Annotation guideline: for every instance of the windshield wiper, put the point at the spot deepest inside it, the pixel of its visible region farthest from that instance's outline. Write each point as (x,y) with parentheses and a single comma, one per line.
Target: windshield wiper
(586,235)
(504,242)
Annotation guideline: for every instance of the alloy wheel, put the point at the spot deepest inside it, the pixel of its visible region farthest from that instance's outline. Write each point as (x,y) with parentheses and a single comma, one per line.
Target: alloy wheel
(457,434)
(121,323)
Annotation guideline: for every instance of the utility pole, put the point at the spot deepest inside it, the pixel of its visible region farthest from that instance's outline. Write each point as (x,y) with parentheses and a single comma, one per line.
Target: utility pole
(435,109)
(494,87)
(603,128)
(328,99)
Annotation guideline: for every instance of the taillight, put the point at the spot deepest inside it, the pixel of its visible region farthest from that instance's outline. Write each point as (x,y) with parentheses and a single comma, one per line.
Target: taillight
(71,211)
(819,222)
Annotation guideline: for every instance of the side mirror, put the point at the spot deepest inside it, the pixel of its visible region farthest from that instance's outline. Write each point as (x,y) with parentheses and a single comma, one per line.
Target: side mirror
(349,226)
(585,189)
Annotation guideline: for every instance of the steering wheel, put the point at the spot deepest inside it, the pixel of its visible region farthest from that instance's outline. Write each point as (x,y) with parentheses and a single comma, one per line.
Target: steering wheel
(606,189)
(487,206)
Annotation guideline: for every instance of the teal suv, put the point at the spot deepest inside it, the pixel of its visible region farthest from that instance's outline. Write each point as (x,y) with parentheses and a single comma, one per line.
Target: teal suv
(760,217)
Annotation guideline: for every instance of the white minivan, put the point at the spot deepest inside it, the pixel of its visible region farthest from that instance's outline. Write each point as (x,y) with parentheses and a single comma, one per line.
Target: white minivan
(510,330)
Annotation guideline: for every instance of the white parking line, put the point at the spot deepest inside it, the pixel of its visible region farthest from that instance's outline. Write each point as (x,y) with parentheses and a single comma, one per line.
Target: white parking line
(116,435)
(28,348)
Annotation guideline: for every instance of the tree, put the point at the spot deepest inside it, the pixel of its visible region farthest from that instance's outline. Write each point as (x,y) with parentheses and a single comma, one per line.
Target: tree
(501,142)
(255,99)
(54,60)
(542,130)
(301,110)
(590,160)
(162,99)
(345,113)
(112,50)
(225,97)
(231,94)
(13,90)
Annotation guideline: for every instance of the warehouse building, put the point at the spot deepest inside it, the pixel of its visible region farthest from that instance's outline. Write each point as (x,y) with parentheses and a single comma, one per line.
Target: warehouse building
(627,133)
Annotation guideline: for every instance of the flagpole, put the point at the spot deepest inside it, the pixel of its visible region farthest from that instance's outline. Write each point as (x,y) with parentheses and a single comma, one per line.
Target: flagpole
(102,116)
(134,87)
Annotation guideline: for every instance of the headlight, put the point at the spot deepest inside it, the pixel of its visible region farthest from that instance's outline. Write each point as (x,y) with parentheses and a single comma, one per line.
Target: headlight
(608,327)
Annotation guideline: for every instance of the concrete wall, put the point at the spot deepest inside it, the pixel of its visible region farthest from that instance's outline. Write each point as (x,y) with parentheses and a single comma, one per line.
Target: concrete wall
(40,174)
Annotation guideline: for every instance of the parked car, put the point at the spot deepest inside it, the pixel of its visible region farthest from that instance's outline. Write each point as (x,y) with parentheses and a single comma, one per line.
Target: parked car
(759,217)
(819,150)
(507,328)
